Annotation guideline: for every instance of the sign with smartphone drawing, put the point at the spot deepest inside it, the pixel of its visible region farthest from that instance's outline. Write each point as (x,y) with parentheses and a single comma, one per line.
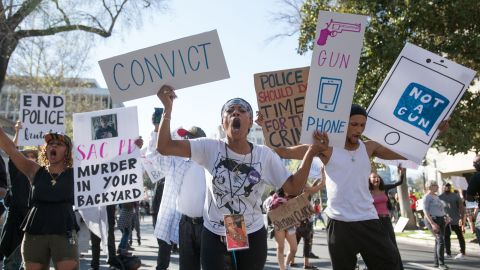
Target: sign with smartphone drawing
(420,91)
(332,76)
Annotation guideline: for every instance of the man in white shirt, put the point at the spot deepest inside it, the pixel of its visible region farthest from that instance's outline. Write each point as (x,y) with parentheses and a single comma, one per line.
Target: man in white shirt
(180,215)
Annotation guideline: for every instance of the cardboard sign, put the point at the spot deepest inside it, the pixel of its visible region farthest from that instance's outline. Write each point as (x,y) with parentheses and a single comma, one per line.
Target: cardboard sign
(291,213)
(180,63)
(408,164)
(280,97)
(420,91)
(106,159)
(459,182)
(332,76)
(148,164)
(40,114)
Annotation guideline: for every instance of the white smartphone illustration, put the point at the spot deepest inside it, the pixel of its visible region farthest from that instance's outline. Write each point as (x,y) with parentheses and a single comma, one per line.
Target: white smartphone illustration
(328,92)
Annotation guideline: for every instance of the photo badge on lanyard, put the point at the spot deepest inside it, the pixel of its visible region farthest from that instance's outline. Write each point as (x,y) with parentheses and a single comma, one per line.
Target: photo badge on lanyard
(236,236)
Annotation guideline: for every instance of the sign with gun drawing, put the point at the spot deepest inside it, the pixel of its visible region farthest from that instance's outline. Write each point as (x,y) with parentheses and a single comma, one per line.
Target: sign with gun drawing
(332,76)
(420,91)
(280,97)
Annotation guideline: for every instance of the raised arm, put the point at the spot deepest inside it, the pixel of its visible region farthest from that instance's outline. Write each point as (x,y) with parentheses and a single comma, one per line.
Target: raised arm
(296,182)
(26,166)
(402,172)
(377,150)
(165,145)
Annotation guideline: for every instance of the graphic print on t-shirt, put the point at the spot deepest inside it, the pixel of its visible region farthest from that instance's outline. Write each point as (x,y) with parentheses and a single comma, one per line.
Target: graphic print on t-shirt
(233,182)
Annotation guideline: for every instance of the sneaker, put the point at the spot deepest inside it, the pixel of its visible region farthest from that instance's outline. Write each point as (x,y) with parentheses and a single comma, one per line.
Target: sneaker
(312,256)
(443,267)
(447,256)
(460,256)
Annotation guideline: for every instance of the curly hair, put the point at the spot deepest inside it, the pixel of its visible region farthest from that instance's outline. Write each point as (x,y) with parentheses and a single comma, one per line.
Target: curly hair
(43,160)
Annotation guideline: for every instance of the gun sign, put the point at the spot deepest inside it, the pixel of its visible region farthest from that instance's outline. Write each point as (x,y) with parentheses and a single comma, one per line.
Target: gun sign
(334,27)
(333,71)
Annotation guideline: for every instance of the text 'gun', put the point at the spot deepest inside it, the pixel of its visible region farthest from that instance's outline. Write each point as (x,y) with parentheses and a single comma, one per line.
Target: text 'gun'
(333,28)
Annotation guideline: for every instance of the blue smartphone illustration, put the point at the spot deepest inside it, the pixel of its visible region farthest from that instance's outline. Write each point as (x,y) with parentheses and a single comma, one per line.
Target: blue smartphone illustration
(328,92)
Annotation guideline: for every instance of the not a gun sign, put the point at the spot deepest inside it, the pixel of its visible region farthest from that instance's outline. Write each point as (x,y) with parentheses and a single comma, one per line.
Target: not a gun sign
(40,114)
(420,90)
(107,165)
(280,97)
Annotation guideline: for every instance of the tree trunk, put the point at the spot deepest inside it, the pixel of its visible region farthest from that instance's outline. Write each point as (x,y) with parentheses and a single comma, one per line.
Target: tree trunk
(7,46)
(405,210)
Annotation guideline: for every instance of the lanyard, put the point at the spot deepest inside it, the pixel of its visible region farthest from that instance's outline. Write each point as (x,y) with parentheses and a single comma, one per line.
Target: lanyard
(235,169)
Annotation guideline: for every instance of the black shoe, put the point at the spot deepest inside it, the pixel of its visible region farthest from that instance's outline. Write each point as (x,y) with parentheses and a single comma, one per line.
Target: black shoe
(139,242)
(312,256)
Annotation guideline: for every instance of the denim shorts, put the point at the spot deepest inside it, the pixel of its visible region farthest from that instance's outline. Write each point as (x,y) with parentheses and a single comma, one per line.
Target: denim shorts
(40,248)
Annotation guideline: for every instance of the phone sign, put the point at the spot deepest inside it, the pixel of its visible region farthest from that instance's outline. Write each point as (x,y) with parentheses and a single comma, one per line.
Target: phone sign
(420,106)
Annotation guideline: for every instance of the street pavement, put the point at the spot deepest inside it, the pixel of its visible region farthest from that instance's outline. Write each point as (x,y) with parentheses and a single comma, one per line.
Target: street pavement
(416,253)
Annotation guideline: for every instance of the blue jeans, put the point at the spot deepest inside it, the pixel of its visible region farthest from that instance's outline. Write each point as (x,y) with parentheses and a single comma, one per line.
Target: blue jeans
(124,241)
(14,261)
(477,226)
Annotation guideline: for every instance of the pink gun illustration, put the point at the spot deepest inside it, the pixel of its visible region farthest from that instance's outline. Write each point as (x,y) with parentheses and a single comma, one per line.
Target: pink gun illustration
(333,28)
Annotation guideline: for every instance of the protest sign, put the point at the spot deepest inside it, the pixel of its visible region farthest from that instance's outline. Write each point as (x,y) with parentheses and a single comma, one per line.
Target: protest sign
(407,164)
(106,163)
(291,213)
(280,97)
(420,90)
(154,173)
(40,114)
(179,63)
(459,182)
(331,81)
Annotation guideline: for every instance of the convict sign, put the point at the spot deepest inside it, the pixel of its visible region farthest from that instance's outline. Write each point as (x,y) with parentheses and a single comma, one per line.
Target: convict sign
(333,71)
(40,114)
(106,163)
(280,97)
(420,90)
(180,63)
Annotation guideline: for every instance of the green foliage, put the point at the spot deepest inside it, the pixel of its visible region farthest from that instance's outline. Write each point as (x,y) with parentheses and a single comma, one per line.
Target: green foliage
(448,28)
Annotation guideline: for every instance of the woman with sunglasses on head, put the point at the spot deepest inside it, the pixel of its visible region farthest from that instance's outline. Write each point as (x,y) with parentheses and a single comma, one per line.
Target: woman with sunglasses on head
(239,172)
(50,226)
(379,191)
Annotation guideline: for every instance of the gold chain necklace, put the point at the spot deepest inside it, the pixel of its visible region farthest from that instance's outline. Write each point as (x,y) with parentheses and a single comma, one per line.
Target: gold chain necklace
(54,179)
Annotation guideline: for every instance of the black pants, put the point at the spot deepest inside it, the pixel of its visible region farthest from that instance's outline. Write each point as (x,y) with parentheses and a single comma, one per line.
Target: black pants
(110,240)
(190,236)
(214,254)
(458,231)
(163,257)
(305,231)
(347,239)
(388,227)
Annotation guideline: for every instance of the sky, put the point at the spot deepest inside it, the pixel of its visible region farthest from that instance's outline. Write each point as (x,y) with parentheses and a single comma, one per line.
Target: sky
(244,28)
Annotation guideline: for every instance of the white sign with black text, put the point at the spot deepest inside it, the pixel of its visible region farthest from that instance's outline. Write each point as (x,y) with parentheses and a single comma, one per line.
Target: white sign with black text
(107,165)
(40,114)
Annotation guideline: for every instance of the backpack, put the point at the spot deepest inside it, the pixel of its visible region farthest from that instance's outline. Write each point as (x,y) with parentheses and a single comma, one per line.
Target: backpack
(124,262)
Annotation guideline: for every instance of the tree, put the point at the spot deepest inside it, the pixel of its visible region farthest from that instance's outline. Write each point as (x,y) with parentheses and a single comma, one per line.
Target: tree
(24,19)
(442,27)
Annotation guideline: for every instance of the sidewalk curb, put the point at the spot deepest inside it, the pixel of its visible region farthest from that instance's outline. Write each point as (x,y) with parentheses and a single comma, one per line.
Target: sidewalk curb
(470,248)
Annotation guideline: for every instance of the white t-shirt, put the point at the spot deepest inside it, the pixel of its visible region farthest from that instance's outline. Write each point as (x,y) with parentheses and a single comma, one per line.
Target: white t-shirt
(237,183)
(349,198)
(191,199)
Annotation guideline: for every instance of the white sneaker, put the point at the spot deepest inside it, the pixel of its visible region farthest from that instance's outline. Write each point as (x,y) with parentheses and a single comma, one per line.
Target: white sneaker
(460,256)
